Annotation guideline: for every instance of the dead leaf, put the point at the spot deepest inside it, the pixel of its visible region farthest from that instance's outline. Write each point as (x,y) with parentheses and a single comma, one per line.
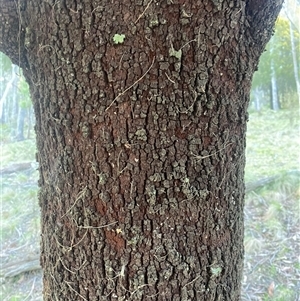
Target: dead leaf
(271,289)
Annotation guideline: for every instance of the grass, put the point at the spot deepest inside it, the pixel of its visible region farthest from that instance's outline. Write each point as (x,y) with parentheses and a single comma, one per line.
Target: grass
(272,267)
(272,243)
(19,199)
(272,213)
(22,151)
(20,221)
(272,143)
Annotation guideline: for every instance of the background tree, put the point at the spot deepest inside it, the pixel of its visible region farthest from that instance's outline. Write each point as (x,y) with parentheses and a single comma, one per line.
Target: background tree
(292,11)
(8,83)
(15,103)
(275,70)
(140,121)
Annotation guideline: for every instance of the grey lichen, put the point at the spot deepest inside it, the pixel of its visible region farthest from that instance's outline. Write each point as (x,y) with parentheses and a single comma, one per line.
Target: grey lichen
(151,192)
(102,178)
(141,134)
(86,130)
(154,21)
(118,38)
(27,40)
(215,271)
(155,178)
(203,193)
(175,53)
(218,4)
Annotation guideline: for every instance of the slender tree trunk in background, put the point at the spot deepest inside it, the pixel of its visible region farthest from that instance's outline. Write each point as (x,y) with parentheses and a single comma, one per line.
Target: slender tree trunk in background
(291,10)
(30,116)
(295,63)
(3,101)
(274,93)
(20,124)
(13,106)
(140,120)
(258,94)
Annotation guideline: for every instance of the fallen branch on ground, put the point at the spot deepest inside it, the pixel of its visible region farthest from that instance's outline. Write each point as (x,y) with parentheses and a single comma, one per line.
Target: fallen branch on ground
(13,269)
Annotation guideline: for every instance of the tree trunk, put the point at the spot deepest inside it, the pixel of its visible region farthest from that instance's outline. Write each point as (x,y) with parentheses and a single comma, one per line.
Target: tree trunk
(258,95)
(20,124)
(274,93)
(295,63)
(3,101)
(140,120)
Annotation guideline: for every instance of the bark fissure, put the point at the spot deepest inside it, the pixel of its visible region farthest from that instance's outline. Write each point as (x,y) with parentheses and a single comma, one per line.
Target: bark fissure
(140,143)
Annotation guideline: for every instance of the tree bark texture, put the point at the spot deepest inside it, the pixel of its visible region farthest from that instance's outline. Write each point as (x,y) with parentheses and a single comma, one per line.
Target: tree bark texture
(140,120)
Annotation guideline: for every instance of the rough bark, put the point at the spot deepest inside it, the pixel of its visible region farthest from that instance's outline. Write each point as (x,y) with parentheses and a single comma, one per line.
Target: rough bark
(12,31)
(141,143)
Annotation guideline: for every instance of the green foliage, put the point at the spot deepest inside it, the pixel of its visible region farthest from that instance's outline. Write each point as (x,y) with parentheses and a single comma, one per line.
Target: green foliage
(278,51)
(24,100)
(5,63)
(4,132)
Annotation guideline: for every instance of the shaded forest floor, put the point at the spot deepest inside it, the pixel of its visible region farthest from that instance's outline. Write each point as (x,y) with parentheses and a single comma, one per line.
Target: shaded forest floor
(272,214)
